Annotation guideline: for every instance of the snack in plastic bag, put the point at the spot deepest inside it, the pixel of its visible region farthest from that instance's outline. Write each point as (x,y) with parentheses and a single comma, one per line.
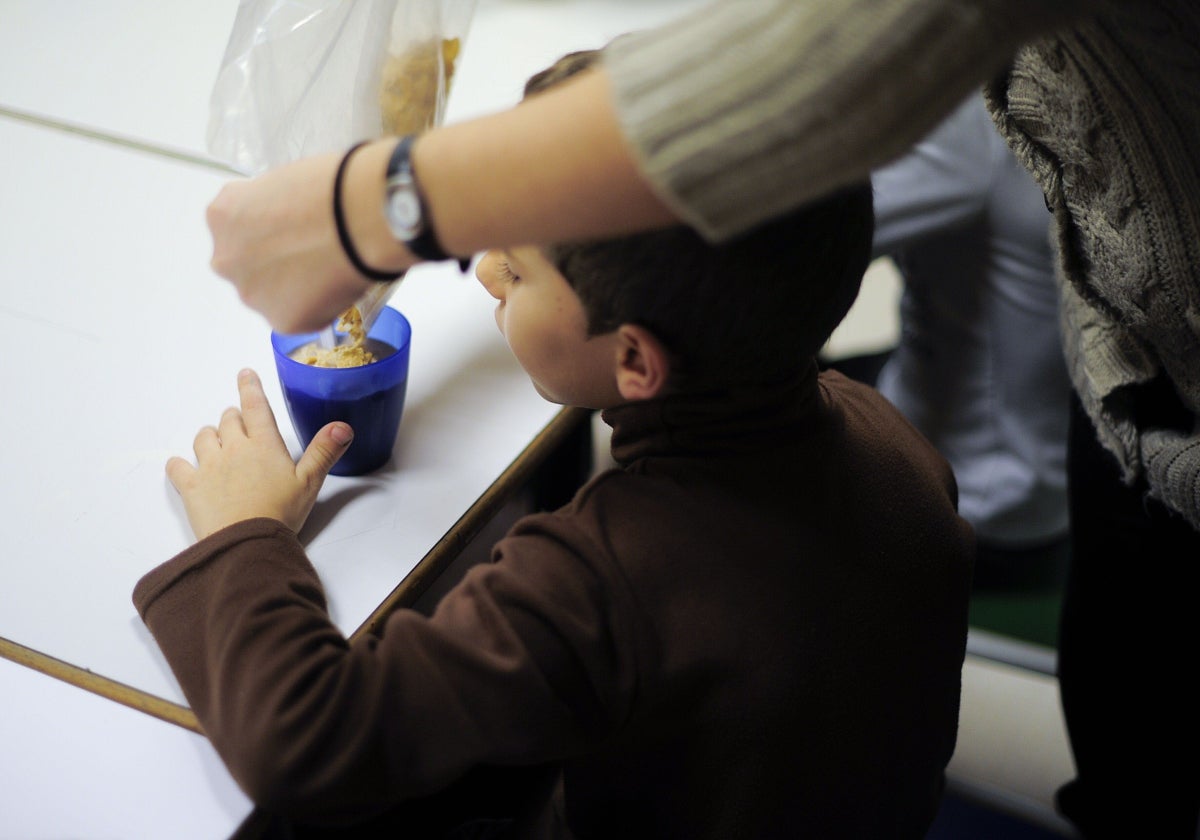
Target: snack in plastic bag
(303,78)
(412,91)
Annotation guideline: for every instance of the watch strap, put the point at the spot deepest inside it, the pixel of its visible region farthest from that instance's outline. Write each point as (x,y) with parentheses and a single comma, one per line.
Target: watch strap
(425,244)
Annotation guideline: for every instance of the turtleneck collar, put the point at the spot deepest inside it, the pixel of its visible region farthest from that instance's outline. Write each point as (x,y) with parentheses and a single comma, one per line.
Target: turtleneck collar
(735,420)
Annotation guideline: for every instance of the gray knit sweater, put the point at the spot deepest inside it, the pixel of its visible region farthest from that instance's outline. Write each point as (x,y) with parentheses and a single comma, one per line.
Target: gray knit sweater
(750,107)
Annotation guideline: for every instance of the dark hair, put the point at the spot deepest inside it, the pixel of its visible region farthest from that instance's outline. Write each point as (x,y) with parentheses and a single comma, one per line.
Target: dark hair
(751,310)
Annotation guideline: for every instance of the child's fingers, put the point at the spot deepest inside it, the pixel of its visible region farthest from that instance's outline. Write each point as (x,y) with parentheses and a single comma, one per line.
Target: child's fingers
(231,424)
(206,440)
(327,446)
(179,471)
(256,411)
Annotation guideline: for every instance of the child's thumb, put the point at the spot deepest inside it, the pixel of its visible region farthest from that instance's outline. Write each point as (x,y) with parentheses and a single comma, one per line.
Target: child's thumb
(323,452)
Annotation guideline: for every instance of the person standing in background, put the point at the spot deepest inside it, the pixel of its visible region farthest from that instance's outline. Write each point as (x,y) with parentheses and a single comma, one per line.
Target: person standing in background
(979,367)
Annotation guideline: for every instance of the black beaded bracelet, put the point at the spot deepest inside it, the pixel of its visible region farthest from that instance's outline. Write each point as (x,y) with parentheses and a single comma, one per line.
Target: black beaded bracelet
(339,218)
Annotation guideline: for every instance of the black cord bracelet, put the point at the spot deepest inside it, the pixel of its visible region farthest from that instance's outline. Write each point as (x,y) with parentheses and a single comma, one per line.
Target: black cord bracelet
(339,218)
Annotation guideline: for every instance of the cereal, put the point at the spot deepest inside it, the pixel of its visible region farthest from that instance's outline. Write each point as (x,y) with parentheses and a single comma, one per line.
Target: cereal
(410,93)
(352,354)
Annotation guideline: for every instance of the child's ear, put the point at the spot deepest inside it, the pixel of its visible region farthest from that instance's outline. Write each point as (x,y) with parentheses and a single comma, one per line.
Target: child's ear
(643,365)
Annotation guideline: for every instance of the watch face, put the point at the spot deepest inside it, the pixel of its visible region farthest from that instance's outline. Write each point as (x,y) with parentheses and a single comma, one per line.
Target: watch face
(404,211)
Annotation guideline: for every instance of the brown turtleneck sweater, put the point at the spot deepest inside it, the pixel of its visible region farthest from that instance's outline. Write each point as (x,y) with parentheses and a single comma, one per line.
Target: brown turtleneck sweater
(754,628)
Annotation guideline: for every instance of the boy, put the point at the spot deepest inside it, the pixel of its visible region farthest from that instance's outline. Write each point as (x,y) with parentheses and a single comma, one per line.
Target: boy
(754,628)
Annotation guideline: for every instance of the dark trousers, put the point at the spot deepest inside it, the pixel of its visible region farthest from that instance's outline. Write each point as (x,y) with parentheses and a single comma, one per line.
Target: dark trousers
(1129,655)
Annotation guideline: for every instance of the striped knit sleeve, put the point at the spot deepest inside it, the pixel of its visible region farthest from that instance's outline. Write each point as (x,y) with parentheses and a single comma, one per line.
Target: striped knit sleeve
(747,108)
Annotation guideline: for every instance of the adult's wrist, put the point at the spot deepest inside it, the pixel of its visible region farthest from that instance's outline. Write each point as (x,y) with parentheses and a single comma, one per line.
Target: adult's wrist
(370,240)
(406,209)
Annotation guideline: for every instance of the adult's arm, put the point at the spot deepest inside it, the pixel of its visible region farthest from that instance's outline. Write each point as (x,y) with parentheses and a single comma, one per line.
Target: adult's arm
(723,119)
(553,169)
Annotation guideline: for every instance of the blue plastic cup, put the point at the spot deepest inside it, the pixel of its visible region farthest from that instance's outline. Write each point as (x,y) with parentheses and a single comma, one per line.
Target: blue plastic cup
(369,397)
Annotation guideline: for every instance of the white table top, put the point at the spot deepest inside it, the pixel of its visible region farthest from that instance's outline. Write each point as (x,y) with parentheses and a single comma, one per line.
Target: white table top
(107,296)
(144,70)
(131,344)
(131,68)
(120,343)
(79,766)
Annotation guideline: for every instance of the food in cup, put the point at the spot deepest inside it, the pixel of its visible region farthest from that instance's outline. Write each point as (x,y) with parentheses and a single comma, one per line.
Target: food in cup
(359,350)
(369,397)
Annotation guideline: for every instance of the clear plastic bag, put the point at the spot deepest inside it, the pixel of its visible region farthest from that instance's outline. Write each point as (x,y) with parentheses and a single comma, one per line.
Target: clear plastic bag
(302,77)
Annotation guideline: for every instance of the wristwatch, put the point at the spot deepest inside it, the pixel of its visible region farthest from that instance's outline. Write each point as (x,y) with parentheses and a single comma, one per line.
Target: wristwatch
(404,208)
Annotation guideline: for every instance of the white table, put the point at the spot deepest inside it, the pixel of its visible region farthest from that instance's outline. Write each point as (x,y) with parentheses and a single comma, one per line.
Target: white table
(142,71)
(133,344)
(120,343)
(78,766)
(132,69)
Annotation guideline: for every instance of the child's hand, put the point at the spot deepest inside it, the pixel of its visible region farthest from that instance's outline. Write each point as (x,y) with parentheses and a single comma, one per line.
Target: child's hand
(244,470)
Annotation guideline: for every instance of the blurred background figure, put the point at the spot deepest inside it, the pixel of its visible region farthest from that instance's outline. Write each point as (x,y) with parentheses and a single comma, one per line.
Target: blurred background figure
(979,367)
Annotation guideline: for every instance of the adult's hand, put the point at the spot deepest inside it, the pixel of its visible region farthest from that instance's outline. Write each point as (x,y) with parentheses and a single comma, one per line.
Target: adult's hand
(275,239)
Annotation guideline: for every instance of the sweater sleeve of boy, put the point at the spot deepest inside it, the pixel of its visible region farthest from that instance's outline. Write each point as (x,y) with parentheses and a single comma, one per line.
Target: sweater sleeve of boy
(319,728)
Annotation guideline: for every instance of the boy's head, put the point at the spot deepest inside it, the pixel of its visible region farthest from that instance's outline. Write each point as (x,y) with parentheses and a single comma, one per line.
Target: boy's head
(753,310)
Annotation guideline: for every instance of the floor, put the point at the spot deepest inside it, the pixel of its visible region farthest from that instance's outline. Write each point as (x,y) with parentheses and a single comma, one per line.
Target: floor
(962,819)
